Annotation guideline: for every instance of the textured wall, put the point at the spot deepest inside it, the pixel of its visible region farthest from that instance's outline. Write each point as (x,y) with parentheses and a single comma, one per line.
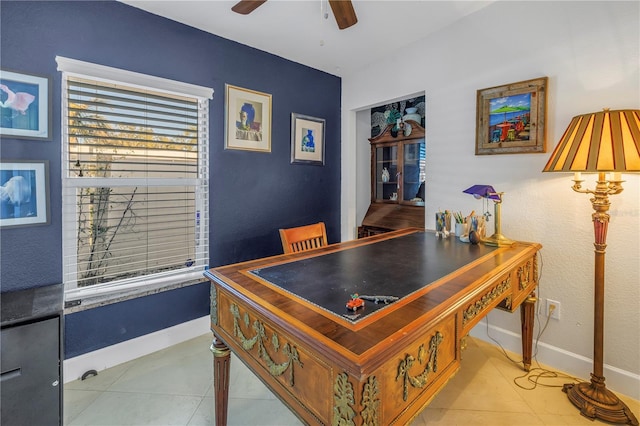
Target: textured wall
(590,50)
(252,194)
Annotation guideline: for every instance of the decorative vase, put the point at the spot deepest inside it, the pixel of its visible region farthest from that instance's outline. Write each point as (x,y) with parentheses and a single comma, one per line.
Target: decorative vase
(412,114)
(407,129)
(385,175)
(250,111)
(307,142)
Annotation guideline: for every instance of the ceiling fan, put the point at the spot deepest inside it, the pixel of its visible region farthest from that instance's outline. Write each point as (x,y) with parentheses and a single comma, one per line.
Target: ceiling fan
(342,10)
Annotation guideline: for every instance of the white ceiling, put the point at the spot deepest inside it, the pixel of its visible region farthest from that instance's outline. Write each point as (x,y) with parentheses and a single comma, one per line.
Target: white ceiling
(296,30)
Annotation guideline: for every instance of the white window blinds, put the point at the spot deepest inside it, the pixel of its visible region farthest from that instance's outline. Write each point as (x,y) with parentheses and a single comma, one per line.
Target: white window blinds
(135,185)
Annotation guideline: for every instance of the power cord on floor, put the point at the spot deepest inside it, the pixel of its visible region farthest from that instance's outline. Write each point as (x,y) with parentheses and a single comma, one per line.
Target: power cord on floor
(534,375)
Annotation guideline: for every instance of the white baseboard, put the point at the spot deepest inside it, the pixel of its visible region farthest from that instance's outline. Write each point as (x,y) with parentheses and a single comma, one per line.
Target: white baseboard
(119,353)
(617,380)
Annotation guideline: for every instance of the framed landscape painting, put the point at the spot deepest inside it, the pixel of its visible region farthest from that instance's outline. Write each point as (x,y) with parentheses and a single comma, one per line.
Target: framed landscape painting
(25,105)
(511,118)
(24,192)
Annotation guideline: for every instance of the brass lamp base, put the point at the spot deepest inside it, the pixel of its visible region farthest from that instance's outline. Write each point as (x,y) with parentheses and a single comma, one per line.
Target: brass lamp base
(596,401)
(498,240)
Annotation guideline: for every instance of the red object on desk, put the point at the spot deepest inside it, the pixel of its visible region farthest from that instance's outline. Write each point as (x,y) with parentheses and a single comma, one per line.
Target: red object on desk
(355,303)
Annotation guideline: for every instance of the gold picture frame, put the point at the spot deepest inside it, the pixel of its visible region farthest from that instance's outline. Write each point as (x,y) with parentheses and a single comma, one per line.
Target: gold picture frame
(247,119)
(511,119)
(307,139)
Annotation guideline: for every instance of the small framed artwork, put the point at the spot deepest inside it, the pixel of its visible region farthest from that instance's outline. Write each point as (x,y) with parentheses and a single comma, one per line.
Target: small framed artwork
(25,105)
(24,192)
(247,119)
(511,118)
(307,139)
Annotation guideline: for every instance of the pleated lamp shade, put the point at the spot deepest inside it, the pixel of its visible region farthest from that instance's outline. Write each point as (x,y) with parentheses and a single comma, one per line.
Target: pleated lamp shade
(605,141)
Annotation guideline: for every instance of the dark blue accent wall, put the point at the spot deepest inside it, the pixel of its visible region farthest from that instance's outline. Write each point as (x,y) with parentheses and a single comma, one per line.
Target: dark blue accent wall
(133,318)
(252,194)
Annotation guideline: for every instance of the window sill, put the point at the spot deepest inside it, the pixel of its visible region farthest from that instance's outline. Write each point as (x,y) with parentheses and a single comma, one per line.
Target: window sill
(90,302)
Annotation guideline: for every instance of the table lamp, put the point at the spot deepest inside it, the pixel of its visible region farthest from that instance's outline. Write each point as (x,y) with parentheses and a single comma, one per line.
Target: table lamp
(487,191)
(600,142)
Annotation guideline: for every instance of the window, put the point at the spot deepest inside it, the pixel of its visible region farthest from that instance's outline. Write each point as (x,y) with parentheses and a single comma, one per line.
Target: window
(134,180)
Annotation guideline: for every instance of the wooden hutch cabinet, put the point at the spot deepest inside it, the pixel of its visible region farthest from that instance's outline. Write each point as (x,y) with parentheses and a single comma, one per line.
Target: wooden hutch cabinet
(397,181)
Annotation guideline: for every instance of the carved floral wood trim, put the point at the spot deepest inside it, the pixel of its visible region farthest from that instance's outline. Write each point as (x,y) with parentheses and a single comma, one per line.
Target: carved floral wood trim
(476,308)
(524,275)
(213,308)
(343,401)
(421,379)
(370,402)
(507,301)
(289,351)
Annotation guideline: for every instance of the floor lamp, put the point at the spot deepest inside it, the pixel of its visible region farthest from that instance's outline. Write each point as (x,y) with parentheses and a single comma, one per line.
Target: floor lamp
(605,142)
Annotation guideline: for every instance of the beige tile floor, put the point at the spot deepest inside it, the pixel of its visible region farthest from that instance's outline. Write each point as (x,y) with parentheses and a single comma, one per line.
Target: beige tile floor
(174,387)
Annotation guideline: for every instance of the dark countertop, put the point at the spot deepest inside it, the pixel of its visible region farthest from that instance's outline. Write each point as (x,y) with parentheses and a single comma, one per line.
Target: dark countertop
(30,304)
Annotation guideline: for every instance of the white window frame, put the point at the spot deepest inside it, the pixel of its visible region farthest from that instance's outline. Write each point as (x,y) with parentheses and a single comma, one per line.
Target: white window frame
(134,287)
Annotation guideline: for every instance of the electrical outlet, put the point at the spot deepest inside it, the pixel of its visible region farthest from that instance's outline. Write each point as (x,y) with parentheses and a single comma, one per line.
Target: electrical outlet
(553,309)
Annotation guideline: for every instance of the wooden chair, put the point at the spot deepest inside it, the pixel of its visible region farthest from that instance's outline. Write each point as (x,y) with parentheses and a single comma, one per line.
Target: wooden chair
(303,238)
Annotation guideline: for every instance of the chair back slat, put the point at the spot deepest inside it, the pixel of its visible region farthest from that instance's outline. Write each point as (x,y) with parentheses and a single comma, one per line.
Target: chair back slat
(303,238)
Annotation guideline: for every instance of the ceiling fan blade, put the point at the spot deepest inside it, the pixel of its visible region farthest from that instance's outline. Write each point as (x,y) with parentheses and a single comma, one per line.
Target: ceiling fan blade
(245,7)
(344,13)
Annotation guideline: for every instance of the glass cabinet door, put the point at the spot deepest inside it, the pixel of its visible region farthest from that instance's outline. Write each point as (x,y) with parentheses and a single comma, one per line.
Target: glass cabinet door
(413,173)
(397,181)
(386,176)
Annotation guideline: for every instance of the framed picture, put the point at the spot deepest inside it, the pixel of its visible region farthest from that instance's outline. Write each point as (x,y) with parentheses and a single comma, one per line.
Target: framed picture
(248,119)
(24,192)
(511,119)
(307,139)
(25,105)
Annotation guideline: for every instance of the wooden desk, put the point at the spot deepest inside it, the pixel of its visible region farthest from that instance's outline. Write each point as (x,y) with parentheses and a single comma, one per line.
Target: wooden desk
(385,365)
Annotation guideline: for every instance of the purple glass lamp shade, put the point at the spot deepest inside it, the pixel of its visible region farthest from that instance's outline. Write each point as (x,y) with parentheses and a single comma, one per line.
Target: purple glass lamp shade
(483,191)
(487,191)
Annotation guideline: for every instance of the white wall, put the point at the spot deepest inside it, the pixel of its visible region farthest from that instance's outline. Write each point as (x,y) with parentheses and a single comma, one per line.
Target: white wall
(590,52)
